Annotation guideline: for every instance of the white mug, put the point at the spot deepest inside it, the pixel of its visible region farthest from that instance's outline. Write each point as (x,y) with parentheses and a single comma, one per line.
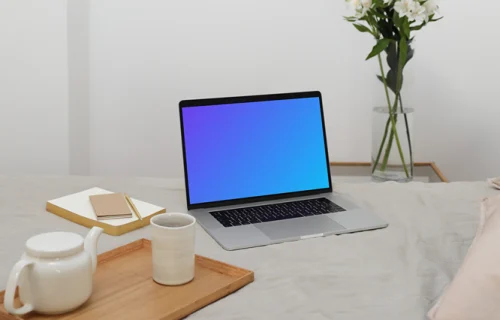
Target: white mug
(173,248)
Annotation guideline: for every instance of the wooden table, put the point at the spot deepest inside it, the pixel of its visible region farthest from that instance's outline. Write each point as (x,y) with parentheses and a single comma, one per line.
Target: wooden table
(361,172)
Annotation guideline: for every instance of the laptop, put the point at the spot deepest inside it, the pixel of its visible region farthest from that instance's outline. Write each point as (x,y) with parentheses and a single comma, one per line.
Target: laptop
(257,171)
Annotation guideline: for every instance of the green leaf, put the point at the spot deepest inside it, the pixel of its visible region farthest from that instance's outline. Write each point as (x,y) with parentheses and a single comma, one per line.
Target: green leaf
(405,28)
(396,19)
(391,80)
(392,56)
(416,28)
(410,53)
(361,28)
(379,47)
(403,52)
(385,28)
(380,78)
(379,13)
(351,19)
(434,20)
(364,18)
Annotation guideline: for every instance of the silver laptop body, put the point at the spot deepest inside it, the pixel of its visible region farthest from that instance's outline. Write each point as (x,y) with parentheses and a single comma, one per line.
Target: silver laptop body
(229,205)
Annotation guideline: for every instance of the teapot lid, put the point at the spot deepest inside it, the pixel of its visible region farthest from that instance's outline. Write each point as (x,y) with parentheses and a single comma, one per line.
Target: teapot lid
(54,245)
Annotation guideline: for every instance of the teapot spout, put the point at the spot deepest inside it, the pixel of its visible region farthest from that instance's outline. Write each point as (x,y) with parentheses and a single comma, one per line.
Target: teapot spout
(90,244)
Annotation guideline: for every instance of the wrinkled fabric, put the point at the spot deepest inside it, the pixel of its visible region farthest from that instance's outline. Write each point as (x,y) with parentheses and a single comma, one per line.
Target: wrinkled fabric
(394,273)
(475,291)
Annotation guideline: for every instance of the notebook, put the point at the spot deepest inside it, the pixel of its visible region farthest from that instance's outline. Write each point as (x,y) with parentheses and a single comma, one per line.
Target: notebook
(78,208)
(110,206)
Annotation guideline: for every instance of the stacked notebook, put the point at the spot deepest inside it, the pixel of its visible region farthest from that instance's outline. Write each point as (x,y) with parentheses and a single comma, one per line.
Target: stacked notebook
(105,209)
(110,206)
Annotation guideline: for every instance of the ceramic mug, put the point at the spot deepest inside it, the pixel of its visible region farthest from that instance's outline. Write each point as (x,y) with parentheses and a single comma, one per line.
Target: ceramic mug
(173,248)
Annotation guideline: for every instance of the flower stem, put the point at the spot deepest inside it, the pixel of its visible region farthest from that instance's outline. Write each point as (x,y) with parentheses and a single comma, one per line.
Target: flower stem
(391,136)
(385,82)
(381,144)
(394,132)
(387,149)
(407,133)
(389,119)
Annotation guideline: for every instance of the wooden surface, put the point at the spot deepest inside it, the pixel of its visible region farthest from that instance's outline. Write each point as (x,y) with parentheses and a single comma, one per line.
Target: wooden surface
(124,288)
(438,172)
(435,169)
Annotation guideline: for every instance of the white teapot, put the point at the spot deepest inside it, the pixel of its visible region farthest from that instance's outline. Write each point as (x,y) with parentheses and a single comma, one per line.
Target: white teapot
(54,274)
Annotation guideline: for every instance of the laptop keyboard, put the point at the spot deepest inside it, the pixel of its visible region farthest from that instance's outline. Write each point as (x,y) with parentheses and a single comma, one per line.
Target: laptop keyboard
(274,212)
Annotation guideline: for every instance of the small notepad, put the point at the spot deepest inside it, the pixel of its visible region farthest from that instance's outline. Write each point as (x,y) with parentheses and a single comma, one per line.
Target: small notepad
(78,208)
(110,206)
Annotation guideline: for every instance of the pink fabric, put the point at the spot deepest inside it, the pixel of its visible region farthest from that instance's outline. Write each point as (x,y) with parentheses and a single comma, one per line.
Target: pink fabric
(474,294)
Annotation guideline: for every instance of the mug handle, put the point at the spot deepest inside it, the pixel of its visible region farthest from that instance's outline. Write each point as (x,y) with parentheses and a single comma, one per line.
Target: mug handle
(10,291)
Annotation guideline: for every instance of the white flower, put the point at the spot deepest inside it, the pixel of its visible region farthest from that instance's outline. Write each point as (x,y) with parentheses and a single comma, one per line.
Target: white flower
(411,9)
(360,7)
(354,4)
(431,7)
(388,1)
(366,3)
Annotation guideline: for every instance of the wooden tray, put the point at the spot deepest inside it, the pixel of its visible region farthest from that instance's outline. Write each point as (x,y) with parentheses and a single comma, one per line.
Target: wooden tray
(124,288)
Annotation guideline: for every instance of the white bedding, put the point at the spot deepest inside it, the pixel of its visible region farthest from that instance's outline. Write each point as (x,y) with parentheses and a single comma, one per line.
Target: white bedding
(394,273)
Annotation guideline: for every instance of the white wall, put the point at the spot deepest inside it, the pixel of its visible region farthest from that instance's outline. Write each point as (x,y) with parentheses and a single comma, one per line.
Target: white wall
(147,55)
(33,87)
(454,82)
(78,86)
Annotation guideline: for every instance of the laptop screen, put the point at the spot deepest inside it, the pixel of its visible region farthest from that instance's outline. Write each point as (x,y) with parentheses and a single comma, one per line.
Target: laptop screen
(252,149)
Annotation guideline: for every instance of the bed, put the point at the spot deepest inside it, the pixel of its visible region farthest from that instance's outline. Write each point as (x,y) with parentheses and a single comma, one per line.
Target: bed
(394,273)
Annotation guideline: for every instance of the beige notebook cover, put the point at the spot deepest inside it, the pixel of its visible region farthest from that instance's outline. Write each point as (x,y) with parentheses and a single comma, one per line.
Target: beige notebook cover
(110,206)
(78,209)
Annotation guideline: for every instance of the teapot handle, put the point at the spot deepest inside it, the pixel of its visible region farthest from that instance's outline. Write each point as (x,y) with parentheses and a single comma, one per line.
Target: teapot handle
(10,291)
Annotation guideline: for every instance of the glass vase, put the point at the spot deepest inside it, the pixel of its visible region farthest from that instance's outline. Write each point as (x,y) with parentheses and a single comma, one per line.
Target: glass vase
(392,144)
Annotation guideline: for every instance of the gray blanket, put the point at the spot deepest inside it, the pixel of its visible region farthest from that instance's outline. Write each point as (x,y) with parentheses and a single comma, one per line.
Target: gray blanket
(395,273)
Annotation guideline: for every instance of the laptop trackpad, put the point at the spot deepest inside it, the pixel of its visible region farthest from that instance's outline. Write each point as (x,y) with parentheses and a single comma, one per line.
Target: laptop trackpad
(298,227)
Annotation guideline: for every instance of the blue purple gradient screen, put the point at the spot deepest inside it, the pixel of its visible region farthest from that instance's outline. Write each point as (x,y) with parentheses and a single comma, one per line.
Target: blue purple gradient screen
(243,150)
